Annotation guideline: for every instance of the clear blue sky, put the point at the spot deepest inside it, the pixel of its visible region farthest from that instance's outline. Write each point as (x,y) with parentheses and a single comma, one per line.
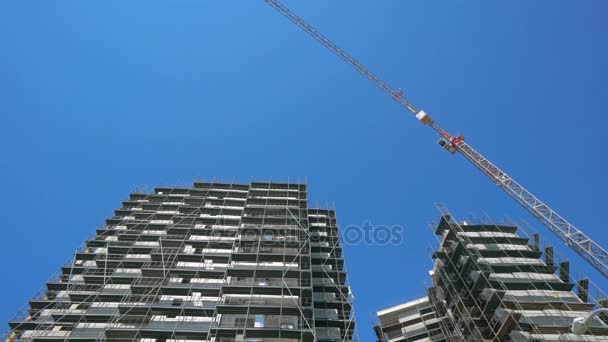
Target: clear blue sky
(99,97)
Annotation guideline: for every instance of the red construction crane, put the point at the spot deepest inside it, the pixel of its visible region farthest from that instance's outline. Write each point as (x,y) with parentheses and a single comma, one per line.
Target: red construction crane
(593,253)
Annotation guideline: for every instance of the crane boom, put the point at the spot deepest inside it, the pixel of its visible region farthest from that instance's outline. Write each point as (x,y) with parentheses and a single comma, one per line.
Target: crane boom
(590,251)
(593,253)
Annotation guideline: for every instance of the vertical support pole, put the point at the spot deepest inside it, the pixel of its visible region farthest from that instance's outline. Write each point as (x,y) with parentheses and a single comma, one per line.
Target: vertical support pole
(549,256)
(583,290)
(536,243)
(564,271)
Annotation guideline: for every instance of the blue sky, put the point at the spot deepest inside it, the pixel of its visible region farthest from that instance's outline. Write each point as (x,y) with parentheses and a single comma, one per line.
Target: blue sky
(100,97)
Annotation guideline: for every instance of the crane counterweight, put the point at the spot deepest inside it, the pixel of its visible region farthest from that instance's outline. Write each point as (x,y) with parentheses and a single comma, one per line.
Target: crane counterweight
(423,117)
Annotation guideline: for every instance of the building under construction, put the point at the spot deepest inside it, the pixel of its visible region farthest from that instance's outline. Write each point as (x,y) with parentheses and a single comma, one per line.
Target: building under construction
(490,284)
(214,262)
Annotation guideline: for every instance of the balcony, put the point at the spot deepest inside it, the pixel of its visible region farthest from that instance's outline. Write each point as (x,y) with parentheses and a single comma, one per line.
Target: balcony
(263,282)
(260,322)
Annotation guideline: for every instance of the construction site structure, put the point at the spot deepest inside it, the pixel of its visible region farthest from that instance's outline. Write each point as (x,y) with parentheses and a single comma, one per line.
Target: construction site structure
(490,284)
(215,262)
(414,320)
(589,250)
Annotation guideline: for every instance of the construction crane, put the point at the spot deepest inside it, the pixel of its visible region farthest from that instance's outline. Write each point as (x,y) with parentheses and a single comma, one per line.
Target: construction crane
(592,252)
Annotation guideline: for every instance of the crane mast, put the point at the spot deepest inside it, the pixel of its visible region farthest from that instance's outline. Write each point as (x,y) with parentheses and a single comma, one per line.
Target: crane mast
(590,251)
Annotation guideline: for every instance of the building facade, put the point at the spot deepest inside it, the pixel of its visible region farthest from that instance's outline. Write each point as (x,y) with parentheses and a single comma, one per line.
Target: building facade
(491,284)
(214,262)
(416,320)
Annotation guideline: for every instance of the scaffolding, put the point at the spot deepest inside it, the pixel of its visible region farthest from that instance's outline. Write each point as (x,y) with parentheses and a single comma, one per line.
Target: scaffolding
(489,283)
(215,262)
(494,285)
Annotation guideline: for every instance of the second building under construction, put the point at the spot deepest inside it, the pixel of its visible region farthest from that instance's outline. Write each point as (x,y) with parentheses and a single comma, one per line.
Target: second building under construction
(490,284)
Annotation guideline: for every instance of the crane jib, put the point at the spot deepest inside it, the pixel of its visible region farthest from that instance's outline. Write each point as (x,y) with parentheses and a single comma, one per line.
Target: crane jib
(584,246)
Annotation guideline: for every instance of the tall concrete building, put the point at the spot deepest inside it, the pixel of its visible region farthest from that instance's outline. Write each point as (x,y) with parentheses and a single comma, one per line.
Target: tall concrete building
(215,262)
(491,284)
